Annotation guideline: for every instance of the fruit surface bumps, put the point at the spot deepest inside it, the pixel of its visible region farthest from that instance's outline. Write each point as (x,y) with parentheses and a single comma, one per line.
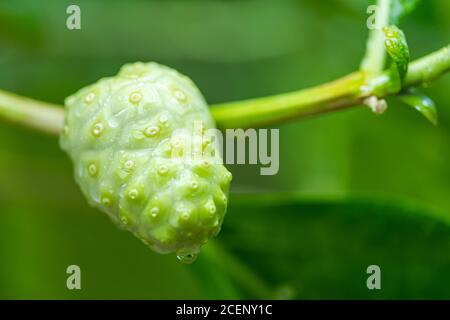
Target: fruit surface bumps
(127,137)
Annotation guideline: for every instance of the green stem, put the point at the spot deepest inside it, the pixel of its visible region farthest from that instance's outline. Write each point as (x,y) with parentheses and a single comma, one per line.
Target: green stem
(373,61)
(428,68)
(345,92)
(280,108)
(42,116)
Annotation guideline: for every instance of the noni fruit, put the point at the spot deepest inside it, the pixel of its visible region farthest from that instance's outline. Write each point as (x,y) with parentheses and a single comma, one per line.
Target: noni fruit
(128,137)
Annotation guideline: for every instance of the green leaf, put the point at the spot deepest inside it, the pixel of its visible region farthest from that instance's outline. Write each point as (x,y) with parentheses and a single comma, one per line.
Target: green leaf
(397,48)
(421,103)
(388,12)
(321,249)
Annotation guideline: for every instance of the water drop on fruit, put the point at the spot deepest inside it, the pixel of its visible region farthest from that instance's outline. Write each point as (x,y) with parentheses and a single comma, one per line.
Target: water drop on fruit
(187,258)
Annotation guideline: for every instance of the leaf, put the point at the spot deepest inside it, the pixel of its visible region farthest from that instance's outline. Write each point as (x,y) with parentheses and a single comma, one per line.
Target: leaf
(387,13)
(421,103)
(309,249)
(397,48)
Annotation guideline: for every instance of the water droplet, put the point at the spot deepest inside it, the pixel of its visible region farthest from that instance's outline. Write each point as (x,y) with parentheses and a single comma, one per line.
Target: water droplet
(151,131)
(187,258)
(135,97)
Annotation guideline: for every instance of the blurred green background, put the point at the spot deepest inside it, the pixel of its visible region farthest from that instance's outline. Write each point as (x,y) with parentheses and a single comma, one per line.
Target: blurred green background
(357,189)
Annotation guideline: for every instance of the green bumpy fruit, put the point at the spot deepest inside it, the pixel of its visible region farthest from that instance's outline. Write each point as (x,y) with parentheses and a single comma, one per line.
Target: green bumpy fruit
(120,133)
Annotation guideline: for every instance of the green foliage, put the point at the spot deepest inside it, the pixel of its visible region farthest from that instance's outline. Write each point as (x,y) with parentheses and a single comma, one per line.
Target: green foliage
(295,249)
(397,48)
(421,103)
(388,14)
(320,249)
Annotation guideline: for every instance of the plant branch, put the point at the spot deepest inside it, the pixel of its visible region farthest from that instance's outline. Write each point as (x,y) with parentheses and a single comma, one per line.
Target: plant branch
(258,112)
(42,116)
(428,68)
(373,61)
(345,92)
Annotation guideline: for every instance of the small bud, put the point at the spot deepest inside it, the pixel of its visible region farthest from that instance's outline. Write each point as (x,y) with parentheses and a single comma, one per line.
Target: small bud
(378,106)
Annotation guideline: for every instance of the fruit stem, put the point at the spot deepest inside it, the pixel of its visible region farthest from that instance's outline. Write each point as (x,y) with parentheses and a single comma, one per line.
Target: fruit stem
(348,91)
